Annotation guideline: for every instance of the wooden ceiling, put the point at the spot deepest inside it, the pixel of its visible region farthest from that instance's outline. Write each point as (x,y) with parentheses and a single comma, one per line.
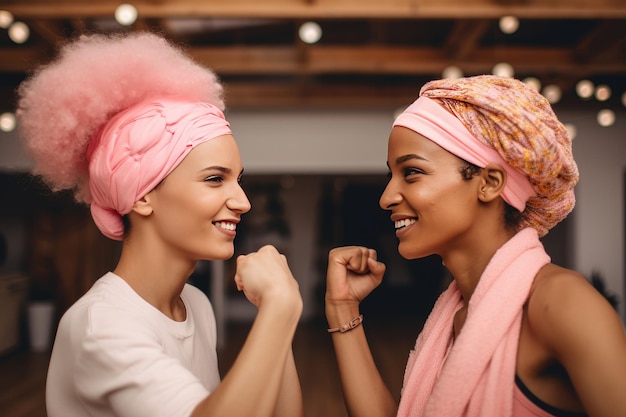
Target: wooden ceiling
(372,52)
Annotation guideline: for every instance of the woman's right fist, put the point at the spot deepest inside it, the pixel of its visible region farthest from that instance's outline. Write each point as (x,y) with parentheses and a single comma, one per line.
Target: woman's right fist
(353,272)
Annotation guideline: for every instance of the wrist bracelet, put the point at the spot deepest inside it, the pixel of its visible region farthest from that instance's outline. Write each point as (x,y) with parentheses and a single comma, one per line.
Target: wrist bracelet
(355,322)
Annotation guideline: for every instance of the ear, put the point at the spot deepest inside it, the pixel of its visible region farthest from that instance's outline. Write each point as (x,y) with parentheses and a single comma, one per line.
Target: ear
(492,182)
(143,206)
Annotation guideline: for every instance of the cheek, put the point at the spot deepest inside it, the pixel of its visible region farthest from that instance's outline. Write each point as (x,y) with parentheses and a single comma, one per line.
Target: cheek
(446,201)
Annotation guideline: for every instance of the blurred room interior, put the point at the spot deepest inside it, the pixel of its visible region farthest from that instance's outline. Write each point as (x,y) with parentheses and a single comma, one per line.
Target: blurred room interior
(312,87)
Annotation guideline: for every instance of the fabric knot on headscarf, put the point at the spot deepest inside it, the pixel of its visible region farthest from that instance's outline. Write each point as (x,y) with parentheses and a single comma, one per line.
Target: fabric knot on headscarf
(138,148)
(519,124)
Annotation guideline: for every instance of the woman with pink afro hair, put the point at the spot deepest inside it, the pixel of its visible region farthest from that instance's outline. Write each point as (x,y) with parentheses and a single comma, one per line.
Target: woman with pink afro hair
(480,169)
(135,128)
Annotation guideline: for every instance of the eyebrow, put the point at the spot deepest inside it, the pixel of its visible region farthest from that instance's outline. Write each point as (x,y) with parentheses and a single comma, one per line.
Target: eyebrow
(408,157)
(218,168)
(221,169)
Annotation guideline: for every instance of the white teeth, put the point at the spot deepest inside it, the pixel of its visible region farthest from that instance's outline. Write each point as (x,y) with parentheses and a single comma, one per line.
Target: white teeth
(403,223)
(226,225)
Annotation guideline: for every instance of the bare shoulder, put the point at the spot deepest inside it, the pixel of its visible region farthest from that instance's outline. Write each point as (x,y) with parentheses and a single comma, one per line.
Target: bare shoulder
(565,311)
(579,329)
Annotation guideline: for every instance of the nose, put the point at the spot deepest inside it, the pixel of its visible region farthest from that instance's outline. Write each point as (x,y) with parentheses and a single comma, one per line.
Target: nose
(239,202)
(390,197)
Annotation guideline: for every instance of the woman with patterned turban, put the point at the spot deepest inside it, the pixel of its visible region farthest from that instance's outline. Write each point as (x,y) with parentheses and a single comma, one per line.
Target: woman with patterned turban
(481,168)
(135,128)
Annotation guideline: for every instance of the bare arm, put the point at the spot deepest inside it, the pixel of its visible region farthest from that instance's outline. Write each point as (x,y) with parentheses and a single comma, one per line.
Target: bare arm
(254,383)
(289,402)
(353,273)
(586,336)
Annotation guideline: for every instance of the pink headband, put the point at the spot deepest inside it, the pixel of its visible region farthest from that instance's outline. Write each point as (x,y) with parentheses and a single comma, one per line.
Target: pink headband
(138,148)
(428,118)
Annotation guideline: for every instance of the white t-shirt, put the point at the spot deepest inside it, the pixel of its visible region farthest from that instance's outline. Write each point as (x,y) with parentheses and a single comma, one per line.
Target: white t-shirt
(116,355)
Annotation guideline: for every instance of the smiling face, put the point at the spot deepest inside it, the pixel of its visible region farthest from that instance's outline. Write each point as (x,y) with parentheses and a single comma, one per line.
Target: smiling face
(432,206)
(196,209)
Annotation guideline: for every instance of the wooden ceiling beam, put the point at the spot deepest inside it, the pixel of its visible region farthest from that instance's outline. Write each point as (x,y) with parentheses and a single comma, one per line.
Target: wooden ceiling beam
(267,95)
(600,42)
(304,9)
(383,60)
(51,31)
(465,37)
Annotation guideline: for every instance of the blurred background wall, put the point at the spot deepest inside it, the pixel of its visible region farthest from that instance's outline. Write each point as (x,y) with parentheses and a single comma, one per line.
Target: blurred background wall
(312,87)
(316,161)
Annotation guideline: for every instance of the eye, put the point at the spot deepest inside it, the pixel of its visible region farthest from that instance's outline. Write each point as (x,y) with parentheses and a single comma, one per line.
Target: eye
(409,171)
(214,179)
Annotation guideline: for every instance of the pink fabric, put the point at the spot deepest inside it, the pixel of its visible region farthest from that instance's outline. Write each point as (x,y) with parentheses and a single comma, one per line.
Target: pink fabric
(474,376)
(431,120)
(523,407)
(518,122)
(138,148)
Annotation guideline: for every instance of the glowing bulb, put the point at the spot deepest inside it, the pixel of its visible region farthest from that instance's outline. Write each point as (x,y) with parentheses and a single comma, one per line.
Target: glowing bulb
(19,32)
(552,93)
(452,72)
(584,89)
(571,131)
(7,122)
(310,32)
(126,14)
(6,18)
(533,83)
(606,118)
(509,24)
(603,92)
(503,69)
(624,98)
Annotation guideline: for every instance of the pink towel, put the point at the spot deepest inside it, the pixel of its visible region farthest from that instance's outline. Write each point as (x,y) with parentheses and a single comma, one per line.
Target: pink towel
(474,376)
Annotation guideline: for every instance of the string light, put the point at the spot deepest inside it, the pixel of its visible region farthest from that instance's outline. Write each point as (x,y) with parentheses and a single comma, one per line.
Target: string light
(7,122)
(584,89)
(606,117)
(310,32)
(452,72)
(533,83)
(503,69)
(19,32)
(6,18)
(603,92)
(552,93)
(571,130)
(509,24)
(126,14)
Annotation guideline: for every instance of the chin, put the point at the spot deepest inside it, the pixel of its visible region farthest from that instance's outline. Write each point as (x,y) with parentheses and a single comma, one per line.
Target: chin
(217,253)
(404,251)
(409,252)
(223,256)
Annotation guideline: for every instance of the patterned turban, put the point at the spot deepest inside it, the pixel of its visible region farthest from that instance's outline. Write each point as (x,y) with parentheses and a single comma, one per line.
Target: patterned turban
(519,123)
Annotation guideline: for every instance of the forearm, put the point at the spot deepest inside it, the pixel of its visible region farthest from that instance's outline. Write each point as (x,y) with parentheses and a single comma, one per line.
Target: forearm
(364,390)
(289,403)
(253,384)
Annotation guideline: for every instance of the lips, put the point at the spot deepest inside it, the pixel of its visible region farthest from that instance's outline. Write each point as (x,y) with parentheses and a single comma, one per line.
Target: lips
(226,225)
(402,223)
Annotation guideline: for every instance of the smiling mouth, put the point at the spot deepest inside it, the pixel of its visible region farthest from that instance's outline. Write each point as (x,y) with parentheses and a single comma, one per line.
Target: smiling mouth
(399,224)
(226,225)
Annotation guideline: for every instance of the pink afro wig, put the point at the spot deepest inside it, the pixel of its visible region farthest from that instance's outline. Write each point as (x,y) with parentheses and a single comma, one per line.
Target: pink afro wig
(65,103)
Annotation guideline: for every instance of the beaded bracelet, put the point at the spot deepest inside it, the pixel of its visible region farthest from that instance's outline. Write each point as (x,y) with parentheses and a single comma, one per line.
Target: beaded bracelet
(355,322)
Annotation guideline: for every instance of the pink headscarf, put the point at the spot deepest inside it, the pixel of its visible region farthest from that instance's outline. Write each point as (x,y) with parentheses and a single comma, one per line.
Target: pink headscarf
(428,118)
(138,148)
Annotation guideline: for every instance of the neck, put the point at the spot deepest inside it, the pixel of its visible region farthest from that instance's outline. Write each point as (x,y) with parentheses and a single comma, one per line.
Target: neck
(467,265)
(155,275)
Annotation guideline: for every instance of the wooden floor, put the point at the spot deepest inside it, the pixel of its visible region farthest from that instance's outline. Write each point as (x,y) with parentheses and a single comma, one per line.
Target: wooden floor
(22,373)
